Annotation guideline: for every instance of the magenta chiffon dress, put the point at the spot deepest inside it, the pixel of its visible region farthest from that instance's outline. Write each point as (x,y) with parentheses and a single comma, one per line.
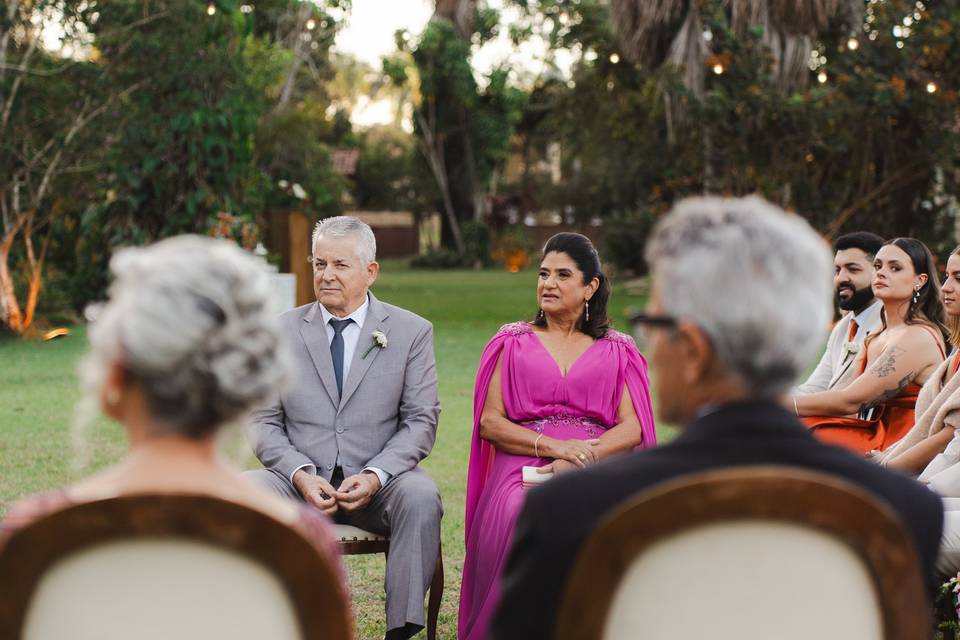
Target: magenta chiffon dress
(583,405)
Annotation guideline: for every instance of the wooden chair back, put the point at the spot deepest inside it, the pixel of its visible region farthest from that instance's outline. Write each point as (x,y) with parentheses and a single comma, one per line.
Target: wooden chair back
(167,566)
(748,553)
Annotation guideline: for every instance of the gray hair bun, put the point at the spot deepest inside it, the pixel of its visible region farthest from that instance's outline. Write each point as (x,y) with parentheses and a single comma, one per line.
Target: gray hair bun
(190,320)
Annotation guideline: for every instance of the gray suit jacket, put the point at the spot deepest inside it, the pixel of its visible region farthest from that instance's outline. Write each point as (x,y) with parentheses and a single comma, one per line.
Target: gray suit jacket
(387,417)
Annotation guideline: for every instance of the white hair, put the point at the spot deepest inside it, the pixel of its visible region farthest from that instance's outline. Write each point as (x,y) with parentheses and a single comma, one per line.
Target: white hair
(348,226)
(756,280)
(189,320)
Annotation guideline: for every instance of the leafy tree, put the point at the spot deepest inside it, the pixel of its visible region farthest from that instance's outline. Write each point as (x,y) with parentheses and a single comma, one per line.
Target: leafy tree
(48,103)
(863,137)
(463,132)
(199,108)
(184,144)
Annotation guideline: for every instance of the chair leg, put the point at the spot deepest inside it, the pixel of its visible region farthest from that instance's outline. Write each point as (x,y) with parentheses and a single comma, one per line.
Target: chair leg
(436,594)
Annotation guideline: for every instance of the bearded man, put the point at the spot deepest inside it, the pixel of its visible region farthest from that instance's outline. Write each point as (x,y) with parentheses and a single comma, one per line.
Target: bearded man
(852,279)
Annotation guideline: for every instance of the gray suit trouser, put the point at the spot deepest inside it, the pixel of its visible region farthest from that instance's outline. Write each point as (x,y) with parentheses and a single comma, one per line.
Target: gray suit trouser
(408,509)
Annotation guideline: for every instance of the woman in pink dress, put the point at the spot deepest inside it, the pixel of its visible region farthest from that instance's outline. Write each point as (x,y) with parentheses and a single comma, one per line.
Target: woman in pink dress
(559,393)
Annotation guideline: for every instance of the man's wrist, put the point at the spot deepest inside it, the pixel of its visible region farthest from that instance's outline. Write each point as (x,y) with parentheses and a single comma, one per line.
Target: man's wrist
(299,476)
(376,475)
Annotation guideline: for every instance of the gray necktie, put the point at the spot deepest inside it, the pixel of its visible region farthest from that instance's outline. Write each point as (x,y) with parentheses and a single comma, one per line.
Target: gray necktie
(336,350)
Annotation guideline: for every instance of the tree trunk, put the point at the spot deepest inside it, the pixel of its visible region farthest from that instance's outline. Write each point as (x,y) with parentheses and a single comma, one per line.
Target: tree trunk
(33,296)
(709,176)
(35,280)
(460,12)
(10,313)
(432,149)
(452,222)
(298,55)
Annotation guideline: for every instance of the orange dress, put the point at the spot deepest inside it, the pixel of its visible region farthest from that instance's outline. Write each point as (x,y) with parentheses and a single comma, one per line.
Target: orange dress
(890,421)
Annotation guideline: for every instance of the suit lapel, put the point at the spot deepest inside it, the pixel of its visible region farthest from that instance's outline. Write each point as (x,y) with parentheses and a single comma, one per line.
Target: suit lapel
(847,358)
(359,365)
(844,365)
(314,335)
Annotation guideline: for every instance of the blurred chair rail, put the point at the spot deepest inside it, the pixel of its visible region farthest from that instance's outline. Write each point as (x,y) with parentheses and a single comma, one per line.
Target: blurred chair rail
(748,553)
(167,566)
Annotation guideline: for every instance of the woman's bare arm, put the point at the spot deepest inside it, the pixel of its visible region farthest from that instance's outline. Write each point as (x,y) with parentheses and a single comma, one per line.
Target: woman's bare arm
(900,363)
(916,458)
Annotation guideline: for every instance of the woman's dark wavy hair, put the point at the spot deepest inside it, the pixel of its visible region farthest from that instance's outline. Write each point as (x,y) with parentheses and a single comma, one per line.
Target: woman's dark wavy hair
(929,307)
(582,252)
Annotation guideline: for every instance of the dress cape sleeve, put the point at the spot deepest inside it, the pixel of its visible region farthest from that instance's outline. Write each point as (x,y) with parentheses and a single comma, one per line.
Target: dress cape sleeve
(638,384)
(481,452)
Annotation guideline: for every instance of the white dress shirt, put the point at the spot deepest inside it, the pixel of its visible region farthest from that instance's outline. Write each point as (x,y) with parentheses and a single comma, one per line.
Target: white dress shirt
(350,333)
(351,337)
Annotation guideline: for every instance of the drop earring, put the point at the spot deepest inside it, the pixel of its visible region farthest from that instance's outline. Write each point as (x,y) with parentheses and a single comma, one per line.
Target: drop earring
(586,305)
(916,296)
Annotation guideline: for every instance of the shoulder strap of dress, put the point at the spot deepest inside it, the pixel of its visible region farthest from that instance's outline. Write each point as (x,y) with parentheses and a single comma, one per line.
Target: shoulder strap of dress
(936,338)
(933,334)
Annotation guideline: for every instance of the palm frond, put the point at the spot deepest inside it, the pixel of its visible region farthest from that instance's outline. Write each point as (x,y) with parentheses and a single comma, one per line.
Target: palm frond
(654,32)
(645,27)
(688,51)
(791,54)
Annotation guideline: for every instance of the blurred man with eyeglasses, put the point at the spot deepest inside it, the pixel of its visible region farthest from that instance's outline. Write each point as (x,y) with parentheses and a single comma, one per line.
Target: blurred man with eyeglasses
(739,304)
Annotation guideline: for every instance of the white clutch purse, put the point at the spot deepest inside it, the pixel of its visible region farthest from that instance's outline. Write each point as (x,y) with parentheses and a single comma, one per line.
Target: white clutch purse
(531,478)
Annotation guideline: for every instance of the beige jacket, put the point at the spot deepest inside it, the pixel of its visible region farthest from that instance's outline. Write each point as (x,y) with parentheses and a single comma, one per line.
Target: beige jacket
(938,404)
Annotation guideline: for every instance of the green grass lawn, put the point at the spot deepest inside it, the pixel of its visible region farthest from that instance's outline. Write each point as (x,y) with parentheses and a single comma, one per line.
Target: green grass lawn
(38,390)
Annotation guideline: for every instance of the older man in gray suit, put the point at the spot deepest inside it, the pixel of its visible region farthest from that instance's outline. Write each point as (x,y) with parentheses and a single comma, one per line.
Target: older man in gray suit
(349,434)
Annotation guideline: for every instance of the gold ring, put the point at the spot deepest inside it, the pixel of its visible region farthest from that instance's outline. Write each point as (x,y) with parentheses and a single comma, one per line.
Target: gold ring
(581,456)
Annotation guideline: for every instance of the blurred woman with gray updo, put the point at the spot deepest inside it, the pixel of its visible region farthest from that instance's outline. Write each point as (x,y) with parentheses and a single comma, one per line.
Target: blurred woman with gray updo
(185,344)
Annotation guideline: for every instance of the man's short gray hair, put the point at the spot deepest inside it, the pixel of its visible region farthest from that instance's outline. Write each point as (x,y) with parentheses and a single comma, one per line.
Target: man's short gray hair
(756,280)
(346,226)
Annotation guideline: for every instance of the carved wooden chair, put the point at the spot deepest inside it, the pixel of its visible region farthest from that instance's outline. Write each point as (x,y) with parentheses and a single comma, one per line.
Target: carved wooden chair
(357,541)
(156,567)
(748,553)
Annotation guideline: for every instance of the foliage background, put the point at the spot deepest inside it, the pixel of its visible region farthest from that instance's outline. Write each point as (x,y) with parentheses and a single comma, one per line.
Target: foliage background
(210,109)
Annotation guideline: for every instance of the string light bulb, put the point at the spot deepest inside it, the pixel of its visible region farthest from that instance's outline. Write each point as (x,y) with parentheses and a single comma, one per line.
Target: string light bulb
(718,69)
(311,24)
(853,44)
(614,58)
(822,77)
(211,9)
(932,87)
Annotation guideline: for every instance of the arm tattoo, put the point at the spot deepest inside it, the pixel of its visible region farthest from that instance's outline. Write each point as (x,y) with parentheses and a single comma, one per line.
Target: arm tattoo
(888,363)
(888,394)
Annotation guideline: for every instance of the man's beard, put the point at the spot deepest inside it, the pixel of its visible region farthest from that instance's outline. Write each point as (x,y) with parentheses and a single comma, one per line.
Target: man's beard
(860,299)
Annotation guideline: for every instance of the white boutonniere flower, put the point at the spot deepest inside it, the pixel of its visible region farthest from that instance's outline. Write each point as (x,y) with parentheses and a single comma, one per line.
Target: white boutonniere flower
(851,347)
(379,340)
